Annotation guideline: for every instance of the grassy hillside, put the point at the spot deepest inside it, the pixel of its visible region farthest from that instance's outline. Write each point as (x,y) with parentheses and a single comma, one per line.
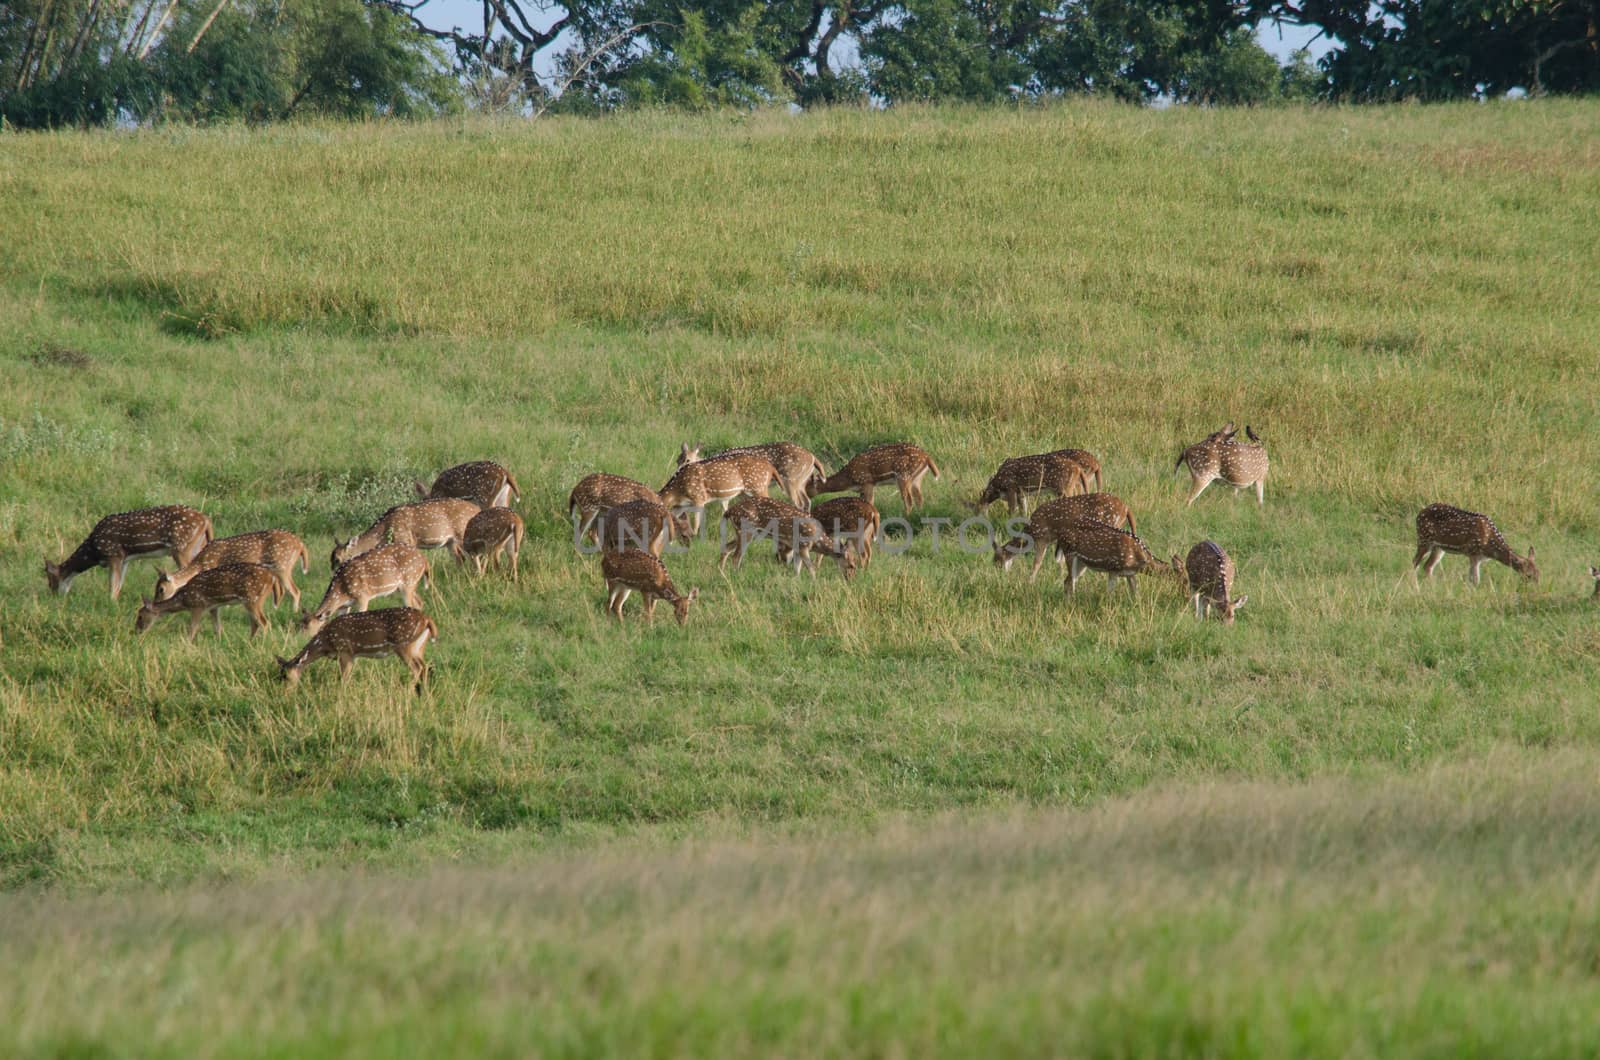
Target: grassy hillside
(284,327)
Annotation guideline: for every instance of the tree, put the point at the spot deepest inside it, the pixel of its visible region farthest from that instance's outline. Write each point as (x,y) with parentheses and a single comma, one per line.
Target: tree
(1450,49)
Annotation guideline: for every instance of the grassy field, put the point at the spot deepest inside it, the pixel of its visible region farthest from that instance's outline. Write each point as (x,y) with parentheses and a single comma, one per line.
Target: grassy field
(284,327)
(1454,913)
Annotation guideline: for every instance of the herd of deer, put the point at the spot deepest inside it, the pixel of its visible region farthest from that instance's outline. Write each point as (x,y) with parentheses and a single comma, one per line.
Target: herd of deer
(466,510)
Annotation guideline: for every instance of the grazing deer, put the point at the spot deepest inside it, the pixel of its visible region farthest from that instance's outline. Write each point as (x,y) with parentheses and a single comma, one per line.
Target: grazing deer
(1053,518)
(173,530)
(277,550)
(1220,456)
(1115,553)
(633,570)
(483,482)
(492,532)
(1210,571)
(795,532)
(1441,529)
(642,524)
(386,569)
(1023,476)
(899,462)
(796,466)
(595,493)
(720,478)
(850,521)
(438,523)
(403,631)
(248,584)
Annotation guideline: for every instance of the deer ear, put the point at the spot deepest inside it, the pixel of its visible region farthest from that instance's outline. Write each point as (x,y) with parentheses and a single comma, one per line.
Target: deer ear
(694,594)
(1530,551)
(145,603)
(1245,599)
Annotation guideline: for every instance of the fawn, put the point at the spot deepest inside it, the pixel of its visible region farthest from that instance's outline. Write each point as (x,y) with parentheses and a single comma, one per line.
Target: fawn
(795,532)
(1022,477)
(1219,456)
(1115,553)
(492,532)
(720,478)
(633,570)
(849,520)
(1053,518)
(796,466)
(642,524)
(173,530)
(483,482)
(900,462)
(599,491)
(248,584)
(1441,529)
(1210,570)
(386,569)
(438,523)
(404,631)
(277,550)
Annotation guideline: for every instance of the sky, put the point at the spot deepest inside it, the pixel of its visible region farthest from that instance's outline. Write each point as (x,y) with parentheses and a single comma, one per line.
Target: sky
(1281,41)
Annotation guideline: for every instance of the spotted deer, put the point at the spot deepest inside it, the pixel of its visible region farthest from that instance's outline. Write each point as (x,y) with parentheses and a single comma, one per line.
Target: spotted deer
(850,521)
(438,523)
(386,569)
(484,482)
(1115,553)
(1442,528)
(492,533)
(599,491)
(796,533)
(172,530)
(1221,456)
(402,631)
(720,478)
(1044,530)
(642,524)
(246,584)
(899,462)
(1021,477)
(633,570)
(277,550)
(796,465)
(1210,570)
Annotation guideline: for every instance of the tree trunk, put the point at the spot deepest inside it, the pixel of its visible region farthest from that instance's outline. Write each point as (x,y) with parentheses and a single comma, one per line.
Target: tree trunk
(149,42)
(205,26)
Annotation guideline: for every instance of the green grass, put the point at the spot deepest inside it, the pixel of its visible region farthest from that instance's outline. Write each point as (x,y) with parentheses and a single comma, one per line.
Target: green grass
(285,326)
(1454,913)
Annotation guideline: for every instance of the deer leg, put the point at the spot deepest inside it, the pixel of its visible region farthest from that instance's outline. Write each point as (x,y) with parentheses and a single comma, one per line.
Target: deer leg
(1039,550)
(216,619)
(1422,553)
(345,662)
(1477,566)
(516,554)
(1133,584)
(119,569)
(290,589)
(1434,556)
(361,603)
(1197,486)
(650,608)
(1199,608)
(1261,493)
(866,491)
(1073,571)
(258,618)
(194,622)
